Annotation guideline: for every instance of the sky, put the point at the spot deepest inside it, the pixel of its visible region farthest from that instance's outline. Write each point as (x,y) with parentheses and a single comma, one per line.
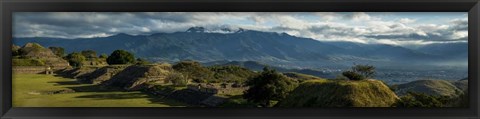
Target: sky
(395,28)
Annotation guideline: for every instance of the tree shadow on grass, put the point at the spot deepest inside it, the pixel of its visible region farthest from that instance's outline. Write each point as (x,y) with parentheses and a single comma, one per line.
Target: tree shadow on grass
(166,101)
(135,95)
(60,83)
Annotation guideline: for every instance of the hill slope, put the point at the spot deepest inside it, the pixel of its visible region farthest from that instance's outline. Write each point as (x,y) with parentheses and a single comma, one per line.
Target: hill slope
(339,93)
(431,87)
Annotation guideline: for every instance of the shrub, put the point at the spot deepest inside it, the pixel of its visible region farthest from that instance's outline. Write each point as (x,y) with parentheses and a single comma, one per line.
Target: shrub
(353,75)
(59,51)
(177,79)
(422,100)
(89,53)
(120,57)
(268,86)
(75,59)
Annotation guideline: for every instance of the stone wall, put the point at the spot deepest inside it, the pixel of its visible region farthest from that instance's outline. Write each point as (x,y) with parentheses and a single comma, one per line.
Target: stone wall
(29,69)
(32,69)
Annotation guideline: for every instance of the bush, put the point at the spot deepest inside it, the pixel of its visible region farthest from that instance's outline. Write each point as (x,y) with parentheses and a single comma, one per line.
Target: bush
(75,59)
(422,100)
(121,57)
(59,51)
(177,79)
(353,75)
(89,54)
(268,86)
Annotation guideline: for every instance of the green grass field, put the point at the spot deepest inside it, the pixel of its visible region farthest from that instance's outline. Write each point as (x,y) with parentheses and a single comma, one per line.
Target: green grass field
(39,90)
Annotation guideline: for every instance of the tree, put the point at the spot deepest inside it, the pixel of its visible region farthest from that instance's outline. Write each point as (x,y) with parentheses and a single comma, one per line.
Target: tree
(59,51)
(89,53)
(360,72)
(193,70)
(120,57)
(177,79)
(75,59)
(268,86)
(353,75)
(368,71)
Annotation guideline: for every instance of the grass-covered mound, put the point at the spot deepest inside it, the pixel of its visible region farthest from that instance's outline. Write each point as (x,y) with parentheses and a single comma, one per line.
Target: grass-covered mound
(340,93)
(102,74)
(136,77)
(76,72)
(429,87)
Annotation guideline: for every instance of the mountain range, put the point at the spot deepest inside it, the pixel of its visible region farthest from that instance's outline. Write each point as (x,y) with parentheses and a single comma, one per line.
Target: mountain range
(278,49)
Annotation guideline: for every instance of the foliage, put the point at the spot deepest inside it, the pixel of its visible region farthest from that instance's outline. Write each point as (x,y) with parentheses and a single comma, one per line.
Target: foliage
(75,59)
(353,75)
(268,86)
(27,62)
(120,57)
(177,79)
(360,72)
(422,100)
(368,71)
(231,74)
(89,53)
(59,51)
(193,71)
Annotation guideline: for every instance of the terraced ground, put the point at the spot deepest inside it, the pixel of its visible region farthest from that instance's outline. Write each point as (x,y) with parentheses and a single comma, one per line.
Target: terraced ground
(39,90)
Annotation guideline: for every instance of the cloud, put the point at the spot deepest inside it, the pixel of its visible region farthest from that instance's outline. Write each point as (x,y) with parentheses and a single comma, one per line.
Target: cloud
(325,26)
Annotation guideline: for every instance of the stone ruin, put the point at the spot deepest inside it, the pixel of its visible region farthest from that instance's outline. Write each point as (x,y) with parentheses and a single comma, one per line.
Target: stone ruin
(135,77)
(102,74)
(36,51)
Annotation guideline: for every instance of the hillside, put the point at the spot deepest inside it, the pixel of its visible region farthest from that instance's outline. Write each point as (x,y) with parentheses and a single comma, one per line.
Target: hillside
(340,93)
(430,87)
(461,84)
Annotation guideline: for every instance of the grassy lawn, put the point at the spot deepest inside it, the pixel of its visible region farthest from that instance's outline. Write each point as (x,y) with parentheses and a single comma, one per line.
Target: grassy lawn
(38,90)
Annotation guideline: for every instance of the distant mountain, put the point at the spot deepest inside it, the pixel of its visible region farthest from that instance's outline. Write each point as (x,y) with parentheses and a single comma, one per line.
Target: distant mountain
(272,48)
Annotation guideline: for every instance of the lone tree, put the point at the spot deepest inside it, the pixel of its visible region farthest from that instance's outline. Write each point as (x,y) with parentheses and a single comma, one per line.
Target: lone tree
(360,72)
(268,86)
(120,57)
(75,59)
(89,54)
(59,51)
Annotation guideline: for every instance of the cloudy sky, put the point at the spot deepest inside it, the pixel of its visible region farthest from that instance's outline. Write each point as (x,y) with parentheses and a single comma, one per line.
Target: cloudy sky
(397,28)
